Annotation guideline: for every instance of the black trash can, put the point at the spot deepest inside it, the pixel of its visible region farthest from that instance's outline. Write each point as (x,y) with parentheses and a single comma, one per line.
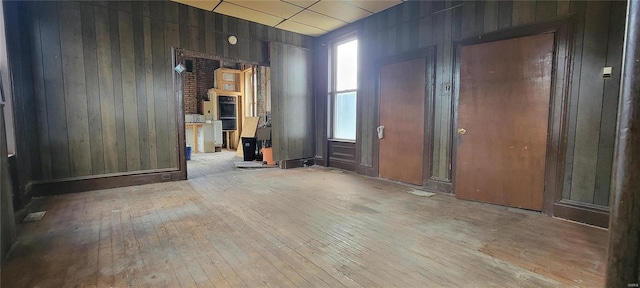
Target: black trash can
(249,148)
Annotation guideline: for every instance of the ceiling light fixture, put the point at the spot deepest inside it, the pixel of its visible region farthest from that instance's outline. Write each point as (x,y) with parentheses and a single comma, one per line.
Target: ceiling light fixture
(232,40)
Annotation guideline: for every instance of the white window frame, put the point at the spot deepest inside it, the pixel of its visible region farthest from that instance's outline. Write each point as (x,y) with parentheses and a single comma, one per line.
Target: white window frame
(332,83)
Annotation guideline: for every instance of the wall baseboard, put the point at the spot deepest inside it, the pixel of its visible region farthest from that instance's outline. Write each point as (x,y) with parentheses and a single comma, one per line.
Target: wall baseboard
(48,188)
(439,186)
(297,163)
(581,213)
(342,164)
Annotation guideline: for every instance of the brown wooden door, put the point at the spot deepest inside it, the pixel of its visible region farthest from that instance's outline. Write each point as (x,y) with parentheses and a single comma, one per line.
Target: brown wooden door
(402,96)
(503,107)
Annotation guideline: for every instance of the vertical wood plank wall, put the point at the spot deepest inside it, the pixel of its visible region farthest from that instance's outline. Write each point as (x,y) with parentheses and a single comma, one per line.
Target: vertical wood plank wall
(292,102)
(94,81)
(599,27)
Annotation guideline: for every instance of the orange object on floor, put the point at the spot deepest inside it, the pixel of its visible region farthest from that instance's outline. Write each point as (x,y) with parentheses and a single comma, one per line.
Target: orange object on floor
(267,155)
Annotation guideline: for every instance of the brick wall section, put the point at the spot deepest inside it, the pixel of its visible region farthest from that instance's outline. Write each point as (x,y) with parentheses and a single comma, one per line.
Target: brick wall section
(264,95)
(190,90)
(206,68)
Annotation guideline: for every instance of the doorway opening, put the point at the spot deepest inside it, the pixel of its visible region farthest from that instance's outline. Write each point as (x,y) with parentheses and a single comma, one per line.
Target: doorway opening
(225,101)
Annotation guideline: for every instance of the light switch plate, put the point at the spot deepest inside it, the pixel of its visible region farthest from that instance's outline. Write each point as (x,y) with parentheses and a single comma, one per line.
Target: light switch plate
(606,72)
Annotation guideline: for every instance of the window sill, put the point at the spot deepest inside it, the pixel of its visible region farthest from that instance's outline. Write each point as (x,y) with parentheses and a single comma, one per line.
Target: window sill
(342,140)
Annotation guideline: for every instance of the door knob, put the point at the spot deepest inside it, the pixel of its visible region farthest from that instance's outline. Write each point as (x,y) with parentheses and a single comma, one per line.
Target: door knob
(462,131)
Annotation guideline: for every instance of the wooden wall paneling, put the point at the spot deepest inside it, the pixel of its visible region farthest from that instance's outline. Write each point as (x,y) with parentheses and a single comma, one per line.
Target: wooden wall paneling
(424,31)
(53,84)
(116,70)
(172,40)
(468,20)
(366,98)
(445,100)
(479,18)
(505,14)
(546,10)
(623,253)
(578,8)
(291,87)
(414,23)
(159,90)
(156,10)
(232,29)
(491,15)
(40,94)
(590,102)
(171,12)
(563,7)
(524,12)
(129,101)
(141,91)
(75,88)
(405,38)
(18,93)
(308,126)
(149,85)
(254,44)
(23,98)
(193,17)
(557,121)
(610,105)
(7,225)
(124,5)
(220,44)
(276,99)
(440,66)
(321,84)
(92,89)
(29,103)
(456,21)
(106,90)
(194,38)
(136,9)
(103,3)
(209,34)
(244,45)
(183,20)
(286,74)
(298,78)
(224,35)
(202,45)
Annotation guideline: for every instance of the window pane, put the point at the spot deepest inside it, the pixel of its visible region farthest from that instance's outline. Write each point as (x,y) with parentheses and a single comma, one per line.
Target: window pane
(347,66)
(344,120)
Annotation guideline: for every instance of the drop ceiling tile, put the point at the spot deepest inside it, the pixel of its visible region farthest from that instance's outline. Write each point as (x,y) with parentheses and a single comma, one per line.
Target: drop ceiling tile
(317,20)
(276,8)
(301,3)
(340,10)
(234,10)
(293,26)
(202,4)
(374,6)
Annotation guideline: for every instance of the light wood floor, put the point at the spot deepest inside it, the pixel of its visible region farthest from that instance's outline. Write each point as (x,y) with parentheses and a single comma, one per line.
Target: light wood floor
(204,164)
(304,227)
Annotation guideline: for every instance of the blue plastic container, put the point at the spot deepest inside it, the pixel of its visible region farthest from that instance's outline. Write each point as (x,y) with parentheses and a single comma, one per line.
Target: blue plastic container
(188,153)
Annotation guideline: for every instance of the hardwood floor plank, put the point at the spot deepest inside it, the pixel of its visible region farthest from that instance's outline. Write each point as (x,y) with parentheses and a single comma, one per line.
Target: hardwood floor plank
(307,227)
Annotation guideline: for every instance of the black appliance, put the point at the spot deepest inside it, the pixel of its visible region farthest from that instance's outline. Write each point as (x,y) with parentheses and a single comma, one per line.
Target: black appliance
(227,112)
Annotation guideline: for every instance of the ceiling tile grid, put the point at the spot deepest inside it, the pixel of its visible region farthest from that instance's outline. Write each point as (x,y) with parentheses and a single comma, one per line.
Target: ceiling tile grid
(308,17)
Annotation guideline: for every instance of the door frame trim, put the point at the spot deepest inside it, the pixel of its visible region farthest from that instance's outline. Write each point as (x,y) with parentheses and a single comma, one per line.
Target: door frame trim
(429,53)
(564,38)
